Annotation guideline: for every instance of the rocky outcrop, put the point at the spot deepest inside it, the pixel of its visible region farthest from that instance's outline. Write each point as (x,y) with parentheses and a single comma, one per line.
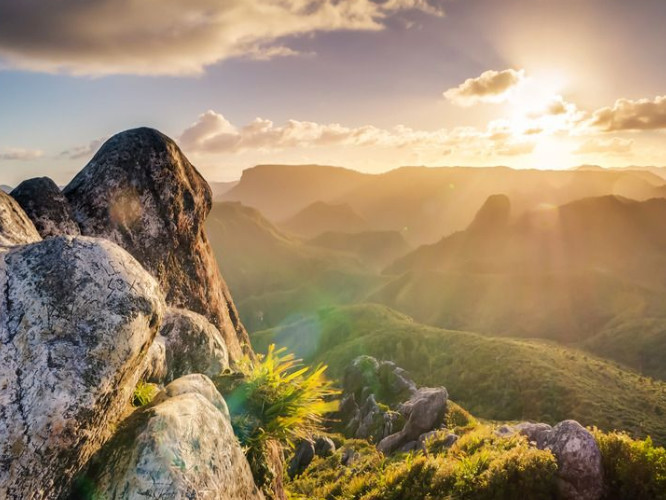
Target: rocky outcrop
(15,226)
(579,465)
(423,412)
(77,317)
(180,447)
(194,384)
(382,404)
(192,345)
(141,192)
(47,207)
(303,456)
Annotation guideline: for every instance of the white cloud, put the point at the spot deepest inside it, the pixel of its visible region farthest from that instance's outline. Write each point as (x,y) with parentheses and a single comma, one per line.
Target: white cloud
(627,114)
(491,86)
(19,154)
(172,37)
(212,133)
(615,145)
(85,151)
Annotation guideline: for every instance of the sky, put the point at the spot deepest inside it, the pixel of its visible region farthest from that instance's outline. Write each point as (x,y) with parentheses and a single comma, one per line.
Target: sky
(367,84)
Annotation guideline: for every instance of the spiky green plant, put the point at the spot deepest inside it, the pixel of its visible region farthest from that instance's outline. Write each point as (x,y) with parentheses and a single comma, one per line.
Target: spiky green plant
(144,393)
(280,399)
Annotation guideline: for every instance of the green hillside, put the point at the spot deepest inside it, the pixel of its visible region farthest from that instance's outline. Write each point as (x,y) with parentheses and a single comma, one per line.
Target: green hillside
(494,378)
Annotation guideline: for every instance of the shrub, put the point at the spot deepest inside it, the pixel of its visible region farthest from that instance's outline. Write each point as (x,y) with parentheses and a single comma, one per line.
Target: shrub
(144,393)
(633,469)
(277,400)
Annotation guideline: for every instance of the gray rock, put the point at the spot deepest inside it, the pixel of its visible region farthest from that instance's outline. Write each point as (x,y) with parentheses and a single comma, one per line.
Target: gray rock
(361,373)
(579,466)
(535,433)
(193,345)
(423,412)
(140,191)
(155,364)
(15,226)
(324,446)
(77,317)
(180,448)
(194,384)
(303,456)
(47,207)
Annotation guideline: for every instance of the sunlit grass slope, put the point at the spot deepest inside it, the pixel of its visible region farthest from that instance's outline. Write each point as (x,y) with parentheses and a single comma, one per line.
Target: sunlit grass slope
(494,378)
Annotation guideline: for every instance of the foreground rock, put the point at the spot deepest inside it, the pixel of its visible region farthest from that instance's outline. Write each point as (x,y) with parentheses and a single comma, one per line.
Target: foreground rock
(15,226)
(47,207)
(382,404)
(77,318)
(192,345)
(141,192)
(579,466)
(182,447)
(423,412)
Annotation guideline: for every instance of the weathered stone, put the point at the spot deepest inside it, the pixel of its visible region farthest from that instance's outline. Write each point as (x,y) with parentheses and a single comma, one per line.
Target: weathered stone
(579,466)
(141,192)
(180,448)
(195,383)
(15,226)
(361,373)
(303,456)
(423,412)
(77,316)
(534,432)
(193,345)
(155,364)
(46,206)
(324,446)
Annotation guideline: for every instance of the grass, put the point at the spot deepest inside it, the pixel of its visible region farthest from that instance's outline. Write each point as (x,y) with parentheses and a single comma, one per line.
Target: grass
(144,393)
(494,378)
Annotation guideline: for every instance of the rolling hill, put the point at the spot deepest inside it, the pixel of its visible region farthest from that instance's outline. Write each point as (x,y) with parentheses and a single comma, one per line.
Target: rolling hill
(375,249)
(494,378)
(320,217)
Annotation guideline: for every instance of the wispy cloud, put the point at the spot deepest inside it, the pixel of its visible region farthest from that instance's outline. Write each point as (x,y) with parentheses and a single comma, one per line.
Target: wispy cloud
(615,145)
(20,154)
(212,133)
(172,37)
(84,151)
(491,86)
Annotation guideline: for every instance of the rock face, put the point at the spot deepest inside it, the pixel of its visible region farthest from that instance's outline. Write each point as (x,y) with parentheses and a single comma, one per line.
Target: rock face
(77,317)
(423,412)
(192,344)
(141,192)
(15,226)
(303,456)
(46,206)
(183,447)
(579,466)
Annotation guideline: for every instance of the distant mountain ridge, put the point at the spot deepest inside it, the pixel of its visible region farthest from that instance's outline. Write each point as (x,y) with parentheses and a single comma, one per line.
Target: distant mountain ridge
(426,203)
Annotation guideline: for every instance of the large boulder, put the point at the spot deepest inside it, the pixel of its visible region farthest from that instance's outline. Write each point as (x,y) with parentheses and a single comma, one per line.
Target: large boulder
(141,192)
(579,467)
(77,317)
(192,344)
(182,447)
(423,412)
(15,226)
(47,207)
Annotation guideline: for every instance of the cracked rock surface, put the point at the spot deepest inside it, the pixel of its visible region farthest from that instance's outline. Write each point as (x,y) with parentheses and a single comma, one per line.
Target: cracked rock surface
(141,192)
(77,316)
(15,226)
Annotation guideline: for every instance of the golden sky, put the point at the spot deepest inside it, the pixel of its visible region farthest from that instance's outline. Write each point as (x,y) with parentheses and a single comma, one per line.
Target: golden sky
(368,84)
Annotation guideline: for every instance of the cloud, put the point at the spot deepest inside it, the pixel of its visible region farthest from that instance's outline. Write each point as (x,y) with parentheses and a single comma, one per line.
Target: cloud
(19,154)
(172,37)
(213,134)
(616,145)
(491,86)
(85,151)
(627,114)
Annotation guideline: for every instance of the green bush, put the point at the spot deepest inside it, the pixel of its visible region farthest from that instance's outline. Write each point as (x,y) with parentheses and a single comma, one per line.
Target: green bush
(276,400)
(633,469)
(144,393)
(480,465)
